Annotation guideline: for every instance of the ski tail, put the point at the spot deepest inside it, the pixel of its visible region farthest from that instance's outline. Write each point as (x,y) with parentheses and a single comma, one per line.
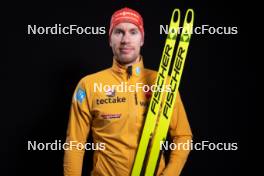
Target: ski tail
(155,101)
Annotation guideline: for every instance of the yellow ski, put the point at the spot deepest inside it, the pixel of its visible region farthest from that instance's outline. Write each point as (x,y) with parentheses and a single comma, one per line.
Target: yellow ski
(155,101)
(170,97)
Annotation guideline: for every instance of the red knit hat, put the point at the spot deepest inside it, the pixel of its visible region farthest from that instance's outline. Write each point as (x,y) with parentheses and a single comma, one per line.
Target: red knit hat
(126,15)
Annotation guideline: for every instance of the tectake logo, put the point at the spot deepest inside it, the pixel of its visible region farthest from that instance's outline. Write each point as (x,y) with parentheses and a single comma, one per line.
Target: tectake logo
(110,100)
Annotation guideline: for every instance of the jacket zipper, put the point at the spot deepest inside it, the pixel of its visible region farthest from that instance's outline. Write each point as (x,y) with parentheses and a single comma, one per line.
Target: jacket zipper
(136,99)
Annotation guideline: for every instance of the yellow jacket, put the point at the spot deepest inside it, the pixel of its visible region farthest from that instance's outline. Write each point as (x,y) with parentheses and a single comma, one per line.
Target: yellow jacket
(116,119)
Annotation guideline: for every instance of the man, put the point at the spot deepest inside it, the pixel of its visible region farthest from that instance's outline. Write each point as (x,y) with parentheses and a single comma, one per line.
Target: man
(116,118)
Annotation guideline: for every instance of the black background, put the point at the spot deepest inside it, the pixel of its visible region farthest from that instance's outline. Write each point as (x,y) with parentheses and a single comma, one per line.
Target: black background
(41,72)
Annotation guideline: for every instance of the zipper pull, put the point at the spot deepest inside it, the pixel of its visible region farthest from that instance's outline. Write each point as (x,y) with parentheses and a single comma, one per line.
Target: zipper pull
(129,71)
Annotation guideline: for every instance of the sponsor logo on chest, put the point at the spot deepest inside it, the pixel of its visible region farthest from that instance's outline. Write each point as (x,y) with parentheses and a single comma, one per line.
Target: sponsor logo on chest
(111,98)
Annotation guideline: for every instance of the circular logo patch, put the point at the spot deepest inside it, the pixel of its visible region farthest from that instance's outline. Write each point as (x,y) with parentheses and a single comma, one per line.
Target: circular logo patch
(137,71)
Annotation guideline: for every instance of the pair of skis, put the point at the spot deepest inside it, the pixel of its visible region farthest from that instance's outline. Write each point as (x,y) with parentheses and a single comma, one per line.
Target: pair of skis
(152,137)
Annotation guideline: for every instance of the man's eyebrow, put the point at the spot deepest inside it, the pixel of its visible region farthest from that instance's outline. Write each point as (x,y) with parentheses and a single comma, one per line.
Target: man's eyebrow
(122,29)
(119,29)
(134,29)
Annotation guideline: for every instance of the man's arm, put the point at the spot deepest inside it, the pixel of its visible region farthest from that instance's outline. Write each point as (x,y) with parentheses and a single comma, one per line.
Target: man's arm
(180,132)
(77,132)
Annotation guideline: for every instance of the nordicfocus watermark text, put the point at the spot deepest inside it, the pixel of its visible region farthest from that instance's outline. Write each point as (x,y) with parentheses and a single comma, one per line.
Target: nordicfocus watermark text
(59,29)
(204,29)
(125,87)
(203,145)
(66,30)
(58,145)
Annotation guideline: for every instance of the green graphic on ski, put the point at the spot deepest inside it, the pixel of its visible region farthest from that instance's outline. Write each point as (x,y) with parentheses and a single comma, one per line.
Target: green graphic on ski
(161,130)
(170,97)
(155,101)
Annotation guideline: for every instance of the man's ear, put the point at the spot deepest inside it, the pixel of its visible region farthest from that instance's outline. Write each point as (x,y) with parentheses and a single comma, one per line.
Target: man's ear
(110,42)
(141,42)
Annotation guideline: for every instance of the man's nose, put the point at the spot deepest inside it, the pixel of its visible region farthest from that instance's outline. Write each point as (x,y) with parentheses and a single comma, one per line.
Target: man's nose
(125,38)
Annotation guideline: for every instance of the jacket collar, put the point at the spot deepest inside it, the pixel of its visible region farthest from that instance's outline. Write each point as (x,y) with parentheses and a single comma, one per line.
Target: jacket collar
(134,70)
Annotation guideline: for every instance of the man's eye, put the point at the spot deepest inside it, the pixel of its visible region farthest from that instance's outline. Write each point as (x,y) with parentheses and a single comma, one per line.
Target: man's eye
(134,32)
(118,32)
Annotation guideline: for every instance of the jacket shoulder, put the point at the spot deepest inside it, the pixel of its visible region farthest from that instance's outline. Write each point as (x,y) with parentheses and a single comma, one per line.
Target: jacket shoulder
(95,77)
(148,73)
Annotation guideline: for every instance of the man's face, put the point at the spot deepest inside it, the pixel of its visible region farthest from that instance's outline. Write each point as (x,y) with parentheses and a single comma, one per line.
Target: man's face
(126,41)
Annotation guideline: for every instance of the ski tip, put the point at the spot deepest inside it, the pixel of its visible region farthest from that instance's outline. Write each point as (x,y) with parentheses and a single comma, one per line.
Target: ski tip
(189,16)
(176,15)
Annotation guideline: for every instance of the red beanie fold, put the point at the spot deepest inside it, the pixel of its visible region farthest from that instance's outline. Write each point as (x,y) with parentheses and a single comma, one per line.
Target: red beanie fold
(127,15)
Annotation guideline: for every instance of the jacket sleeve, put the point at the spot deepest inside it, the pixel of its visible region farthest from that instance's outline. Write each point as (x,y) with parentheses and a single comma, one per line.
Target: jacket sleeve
(77,132)
(180,132)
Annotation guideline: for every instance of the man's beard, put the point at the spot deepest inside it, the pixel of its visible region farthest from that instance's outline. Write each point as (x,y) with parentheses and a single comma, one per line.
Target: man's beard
(126,59)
